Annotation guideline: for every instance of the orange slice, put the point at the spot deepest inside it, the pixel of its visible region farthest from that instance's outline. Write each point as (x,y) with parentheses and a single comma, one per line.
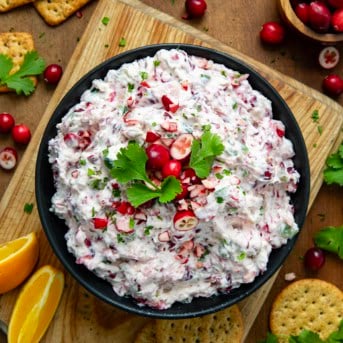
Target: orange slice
(36,306)
(17,260)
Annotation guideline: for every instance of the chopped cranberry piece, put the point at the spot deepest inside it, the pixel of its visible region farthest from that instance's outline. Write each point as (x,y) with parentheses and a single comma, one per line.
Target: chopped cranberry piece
(280,132)
(151,137)
(100,223)
(182,146)
(267,175)
(184,192)
(169,105)
(145,84)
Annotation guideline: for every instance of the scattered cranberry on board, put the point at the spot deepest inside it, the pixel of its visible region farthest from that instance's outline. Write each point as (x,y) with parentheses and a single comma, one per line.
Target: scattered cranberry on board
(272,33)
(8,158)
(328,57)
(195,8)
(21,134)
(333,85)
(52,74)
(314,259)
(6,122)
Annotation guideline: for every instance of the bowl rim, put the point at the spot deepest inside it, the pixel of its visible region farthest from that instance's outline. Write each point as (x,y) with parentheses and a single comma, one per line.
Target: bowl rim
(177,311)
(288,14)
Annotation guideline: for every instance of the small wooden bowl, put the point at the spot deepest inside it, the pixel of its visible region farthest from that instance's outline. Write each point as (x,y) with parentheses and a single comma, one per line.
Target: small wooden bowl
(288,15)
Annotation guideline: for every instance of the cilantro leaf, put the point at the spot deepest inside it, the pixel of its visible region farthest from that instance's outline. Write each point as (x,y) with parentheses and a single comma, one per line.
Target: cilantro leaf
(21,85)
(6,65)
(271,338)
(20,81)
(333,176)
(336,336)
(130,167)
(204,152)
(139,193)
(335,161)
(32,65)
(170,188)
(334,167)
(130,164)
(331,239)
(306,336)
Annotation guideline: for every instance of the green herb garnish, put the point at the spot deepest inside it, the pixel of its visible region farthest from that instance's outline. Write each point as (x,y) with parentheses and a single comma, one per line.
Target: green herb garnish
(334,167)
(130,167)
(122,42)
(203,153)
(28,208)
(331,239)
(20,81)
(105,20)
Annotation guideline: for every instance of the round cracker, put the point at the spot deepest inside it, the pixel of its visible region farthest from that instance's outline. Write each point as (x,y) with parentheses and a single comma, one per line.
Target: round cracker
(147,334)
(310,304)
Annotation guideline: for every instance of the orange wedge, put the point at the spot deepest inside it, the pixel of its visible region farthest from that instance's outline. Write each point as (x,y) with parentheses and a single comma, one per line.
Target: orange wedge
(36,306)
(17,260)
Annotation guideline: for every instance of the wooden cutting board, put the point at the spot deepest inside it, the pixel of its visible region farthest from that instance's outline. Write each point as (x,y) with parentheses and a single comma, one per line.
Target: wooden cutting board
(81,317)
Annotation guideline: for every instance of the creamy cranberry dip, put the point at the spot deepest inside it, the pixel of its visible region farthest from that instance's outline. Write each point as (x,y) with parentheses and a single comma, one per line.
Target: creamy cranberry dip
(219,231)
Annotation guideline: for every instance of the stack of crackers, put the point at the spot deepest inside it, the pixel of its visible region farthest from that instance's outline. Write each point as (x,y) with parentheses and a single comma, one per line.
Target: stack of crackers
(54,12)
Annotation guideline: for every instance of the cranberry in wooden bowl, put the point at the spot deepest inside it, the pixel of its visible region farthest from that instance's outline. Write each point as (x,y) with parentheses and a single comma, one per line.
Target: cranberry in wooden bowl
(150,161)
(315,20)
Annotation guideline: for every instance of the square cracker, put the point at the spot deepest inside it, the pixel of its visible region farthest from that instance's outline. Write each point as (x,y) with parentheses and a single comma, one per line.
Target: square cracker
(225,326)
(15,45)
(6,5)
(55,12)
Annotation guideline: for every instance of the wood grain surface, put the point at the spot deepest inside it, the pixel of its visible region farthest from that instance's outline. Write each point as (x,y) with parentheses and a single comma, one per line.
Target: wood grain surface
(81,317)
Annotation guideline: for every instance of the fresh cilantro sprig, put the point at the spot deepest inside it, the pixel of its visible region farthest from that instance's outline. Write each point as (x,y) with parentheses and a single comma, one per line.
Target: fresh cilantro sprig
(331,239)
(130,167)
(203,153)
(20,81)
(334,168)
(307,336)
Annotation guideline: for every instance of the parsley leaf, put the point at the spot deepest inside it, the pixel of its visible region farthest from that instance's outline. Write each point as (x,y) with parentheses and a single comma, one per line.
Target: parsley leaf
(204,152)
(20,80)
(130,167)
(331,239)
(334,167)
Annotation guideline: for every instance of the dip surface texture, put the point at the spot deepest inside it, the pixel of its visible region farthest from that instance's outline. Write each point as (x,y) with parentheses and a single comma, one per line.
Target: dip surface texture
(242,208)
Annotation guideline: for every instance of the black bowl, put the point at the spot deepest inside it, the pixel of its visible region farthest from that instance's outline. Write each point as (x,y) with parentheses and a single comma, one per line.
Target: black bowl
(55,228)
